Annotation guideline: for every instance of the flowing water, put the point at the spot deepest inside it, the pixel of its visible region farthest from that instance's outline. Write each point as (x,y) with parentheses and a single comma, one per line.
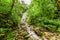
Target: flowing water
(28,29)
(26,26)
(31,33)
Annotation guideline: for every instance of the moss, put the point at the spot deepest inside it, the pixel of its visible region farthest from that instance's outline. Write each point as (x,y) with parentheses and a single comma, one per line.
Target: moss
(38,31)
(10,36)
(29,39)
(51,28)
(23,34)
(1,35)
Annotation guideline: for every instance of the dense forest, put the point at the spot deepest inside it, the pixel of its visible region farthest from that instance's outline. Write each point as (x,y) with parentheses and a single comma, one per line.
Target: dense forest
(34,20)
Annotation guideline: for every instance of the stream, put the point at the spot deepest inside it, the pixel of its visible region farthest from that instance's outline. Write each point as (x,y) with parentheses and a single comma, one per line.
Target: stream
(30,32)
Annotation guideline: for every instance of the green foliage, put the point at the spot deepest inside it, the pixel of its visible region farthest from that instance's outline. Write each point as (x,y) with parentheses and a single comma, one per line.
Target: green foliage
(23,34)
(9,19)
(10,36)
(43,13)
(5,5)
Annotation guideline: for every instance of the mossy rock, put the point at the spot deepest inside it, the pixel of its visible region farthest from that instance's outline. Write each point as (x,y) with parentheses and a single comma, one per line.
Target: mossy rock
(30,39)
(23,34)
(38,31)
(2,35)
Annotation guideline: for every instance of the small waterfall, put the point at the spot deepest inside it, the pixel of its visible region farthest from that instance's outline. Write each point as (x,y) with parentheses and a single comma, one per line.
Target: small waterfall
(25,1)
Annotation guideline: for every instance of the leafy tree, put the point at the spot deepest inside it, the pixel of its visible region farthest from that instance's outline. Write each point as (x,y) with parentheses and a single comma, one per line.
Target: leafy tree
(10,13)
(43,13)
